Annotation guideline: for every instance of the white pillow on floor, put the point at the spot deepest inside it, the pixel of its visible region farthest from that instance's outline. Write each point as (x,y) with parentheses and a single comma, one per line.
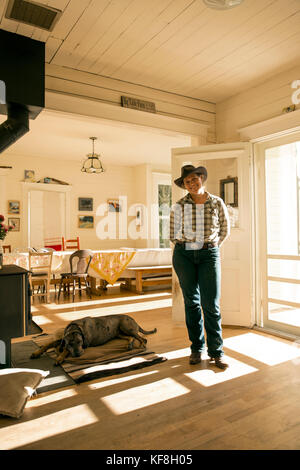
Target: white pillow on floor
(16,387)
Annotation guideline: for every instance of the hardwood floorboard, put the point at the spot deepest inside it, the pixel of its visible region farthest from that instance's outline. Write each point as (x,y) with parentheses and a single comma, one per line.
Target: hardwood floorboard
(169,406)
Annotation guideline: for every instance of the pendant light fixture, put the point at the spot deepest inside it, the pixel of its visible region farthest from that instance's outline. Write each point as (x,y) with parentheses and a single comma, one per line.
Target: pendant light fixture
(222,4)
(92,164)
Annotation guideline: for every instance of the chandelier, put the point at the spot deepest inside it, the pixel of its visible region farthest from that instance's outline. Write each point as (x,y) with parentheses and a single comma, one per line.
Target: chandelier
(222,4)
(92,164)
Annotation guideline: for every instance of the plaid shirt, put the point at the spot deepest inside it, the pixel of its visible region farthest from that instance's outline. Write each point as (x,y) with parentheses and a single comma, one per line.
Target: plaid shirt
(204,223)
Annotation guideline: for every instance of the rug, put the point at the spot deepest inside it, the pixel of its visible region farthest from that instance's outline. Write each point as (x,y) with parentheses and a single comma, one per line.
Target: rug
(33,328)
(57,378)
(102,361)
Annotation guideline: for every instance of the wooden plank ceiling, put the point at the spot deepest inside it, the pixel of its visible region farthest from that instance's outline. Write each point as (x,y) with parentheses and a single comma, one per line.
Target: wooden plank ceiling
(179,46)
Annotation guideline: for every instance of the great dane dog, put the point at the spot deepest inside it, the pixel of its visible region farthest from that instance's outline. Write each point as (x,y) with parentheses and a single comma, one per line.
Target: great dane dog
(89,331)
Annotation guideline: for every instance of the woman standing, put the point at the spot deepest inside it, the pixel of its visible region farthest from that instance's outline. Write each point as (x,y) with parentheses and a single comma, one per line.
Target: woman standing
(199,224)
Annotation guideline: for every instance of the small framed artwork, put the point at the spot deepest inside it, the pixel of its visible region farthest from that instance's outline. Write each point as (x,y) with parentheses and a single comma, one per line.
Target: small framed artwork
(29,176)
(114,205)
(139,216)
(85,204)
(13,207)
(85,221)
(15,222)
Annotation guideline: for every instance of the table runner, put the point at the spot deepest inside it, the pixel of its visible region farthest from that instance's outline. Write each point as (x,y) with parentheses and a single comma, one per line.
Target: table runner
(110,265)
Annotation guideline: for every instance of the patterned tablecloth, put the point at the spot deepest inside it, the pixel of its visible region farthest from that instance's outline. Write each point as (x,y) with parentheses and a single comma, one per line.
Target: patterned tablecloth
(107,265)
(110,265)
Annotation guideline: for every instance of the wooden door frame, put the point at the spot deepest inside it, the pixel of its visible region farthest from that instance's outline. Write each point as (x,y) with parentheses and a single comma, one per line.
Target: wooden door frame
(261,280)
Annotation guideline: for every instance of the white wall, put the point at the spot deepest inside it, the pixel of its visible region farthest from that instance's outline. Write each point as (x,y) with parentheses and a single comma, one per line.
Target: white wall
(116,181)
(254,105)
(102,97)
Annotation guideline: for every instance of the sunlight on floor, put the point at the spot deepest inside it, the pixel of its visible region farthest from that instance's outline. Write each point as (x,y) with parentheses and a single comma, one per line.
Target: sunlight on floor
(177,354)
(144,395)
(58,379)
(34,309)
(104,300)
(120,309)
(266,350)
(40,401)
(34,430)
(213,376)
(119,380)
(290,317)
(42,320)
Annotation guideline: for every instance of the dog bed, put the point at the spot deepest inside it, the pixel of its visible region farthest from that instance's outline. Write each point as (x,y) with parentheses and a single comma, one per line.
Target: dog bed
(108,359)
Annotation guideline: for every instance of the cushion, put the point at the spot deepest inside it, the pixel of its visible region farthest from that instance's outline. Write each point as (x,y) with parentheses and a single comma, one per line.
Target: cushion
(16,387)
(150,257)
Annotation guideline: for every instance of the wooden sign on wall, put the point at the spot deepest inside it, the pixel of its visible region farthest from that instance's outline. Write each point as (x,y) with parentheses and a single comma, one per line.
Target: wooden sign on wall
(140,105)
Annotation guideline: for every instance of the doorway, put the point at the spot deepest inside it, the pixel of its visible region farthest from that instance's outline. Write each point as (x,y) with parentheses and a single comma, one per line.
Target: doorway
(226,164)
(278,234)
(43,204)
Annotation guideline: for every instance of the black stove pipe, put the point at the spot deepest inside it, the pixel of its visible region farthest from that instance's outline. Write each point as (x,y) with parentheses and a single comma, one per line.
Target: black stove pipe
(16,125)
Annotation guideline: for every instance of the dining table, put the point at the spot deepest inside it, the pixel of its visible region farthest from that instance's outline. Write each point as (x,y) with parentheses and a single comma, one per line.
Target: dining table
(106,265)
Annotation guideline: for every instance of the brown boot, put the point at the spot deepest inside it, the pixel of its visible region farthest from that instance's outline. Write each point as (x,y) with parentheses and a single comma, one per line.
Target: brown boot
(195,358)
(219,362)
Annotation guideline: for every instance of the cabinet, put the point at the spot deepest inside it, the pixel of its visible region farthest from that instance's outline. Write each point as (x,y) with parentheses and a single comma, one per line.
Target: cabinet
(14,308)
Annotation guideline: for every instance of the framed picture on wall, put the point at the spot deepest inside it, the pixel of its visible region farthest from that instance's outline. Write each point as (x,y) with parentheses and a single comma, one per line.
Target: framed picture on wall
(13,207)
(29,176)
(139,216)
(114,205)
(85,204)
(85,221)
(15,222)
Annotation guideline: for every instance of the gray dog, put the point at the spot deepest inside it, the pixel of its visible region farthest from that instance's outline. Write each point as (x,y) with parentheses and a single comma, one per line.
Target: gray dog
(89,331)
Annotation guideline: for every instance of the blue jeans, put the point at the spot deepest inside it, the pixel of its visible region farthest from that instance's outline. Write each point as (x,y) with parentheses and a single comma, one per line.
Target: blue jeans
(199,274)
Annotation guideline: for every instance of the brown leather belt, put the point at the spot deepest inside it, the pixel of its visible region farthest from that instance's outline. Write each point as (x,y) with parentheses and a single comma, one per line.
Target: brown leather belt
(193,245)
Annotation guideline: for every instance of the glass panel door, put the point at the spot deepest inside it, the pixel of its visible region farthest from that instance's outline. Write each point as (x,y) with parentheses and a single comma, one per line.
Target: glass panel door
(282,205)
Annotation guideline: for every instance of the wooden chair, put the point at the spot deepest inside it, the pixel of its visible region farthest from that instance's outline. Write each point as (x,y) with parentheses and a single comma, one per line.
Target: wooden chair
(84,257)
(6,248)
(71,244)
(50,249)
(40,273)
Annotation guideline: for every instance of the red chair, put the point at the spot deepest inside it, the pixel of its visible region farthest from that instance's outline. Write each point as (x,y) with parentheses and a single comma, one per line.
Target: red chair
(70,244)
(6,248)
(54,243)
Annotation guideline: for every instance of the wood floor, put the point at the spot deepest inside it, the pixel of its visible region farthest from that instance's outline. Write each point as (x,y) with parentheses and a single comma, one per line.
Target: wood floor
(255,404)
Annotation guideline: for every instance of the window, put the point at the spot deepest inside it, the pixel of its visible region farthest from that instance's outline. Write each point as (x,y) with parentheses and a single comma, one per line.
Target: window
(161,204)
(164,205)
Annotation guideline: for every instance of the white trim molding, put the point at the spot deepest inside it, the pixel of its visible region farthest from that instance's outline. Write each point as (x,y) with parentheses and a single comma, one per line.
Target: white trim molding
(272,128)
(61,101)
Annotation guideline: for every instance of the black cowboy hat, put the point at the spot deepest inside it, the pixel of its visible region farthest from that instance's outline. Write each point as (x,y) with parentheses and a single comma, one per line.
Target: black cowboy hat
(187,170)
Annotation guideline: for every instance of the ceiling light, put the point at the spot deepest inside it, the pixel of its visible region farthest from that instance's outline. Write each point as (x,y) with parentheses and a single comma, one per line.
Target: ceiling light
(222,4)
(92,164)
